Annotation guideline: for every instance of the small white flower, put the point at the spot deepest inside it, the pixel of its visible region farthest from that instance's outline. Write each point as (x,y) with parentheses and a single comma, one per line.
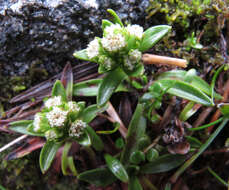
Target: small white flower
(135,30)
(73,107)
(77,128)
(113,42)
(135,55)
(57,117)
(37,122)
(93,48)
(54,101)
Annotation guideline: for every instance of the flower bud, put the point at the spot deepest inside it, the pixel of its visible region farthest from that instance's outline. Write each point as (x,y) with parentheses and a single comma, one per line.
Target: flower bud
(77,128)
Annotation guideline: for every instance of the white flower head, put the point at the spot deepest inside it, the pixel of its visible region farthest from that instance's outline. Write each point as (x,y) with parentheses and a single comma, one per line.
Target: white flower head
(113,42)
(135,55)
(135,30)
(77,128)
(57,117)
(93,48)
(73,107)
(37,122)
(53,101)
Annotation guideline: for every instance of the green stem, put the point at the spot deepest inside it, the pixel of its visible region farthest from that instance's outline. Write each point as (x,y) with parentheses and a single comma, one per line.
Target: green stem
(218,177)
(214,80)
(175,176)
(148,184)
(207,125)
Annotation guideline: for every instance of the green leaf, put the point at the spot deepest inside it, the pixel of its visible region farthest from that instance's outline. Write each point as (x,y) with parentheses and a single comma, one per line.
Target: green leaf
(152,35)
(196,81)
(188,111)
(116,17)
(96,141)
(136,130)
(109,84)
(134,184)
(106,23)
(67,161)
(186,91)
(87,88)
(91,112)
(59,90)
(116,168)
(47,154)
(30,130)
(194,142)
(82,54)
(84,139)
(99,177)
(64,158)
(163,164)
(22,127)
(90,88)
(224,108)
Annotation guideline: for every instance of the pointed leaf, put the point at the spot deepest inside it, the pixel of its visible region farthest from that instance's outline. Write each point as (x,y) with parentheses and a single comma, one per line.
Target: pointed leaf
(47,155)
(196,81)
(67,80)
(96,141)
(99,177)
(109,84)
(22,127)
(134,184)
(224,108)
(82,54)
(152,35)
(186,91)
(91,112)
(136,130)
(58,90)
(90,88)
(116,17)
(66,160)
(84,139)
(106,23)
(163,164)
(116,168)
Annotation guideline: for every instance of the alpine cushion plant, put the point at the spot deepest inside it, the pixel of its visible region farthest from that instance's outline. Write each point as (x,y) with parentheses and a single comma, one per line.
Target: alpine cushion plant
(61,121)
(119,52)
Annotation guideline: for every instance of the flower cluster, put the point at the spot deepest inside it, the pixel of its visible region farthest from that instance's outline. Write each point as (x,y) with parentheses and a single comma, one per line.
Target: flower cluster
(117,47)
(58,119)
